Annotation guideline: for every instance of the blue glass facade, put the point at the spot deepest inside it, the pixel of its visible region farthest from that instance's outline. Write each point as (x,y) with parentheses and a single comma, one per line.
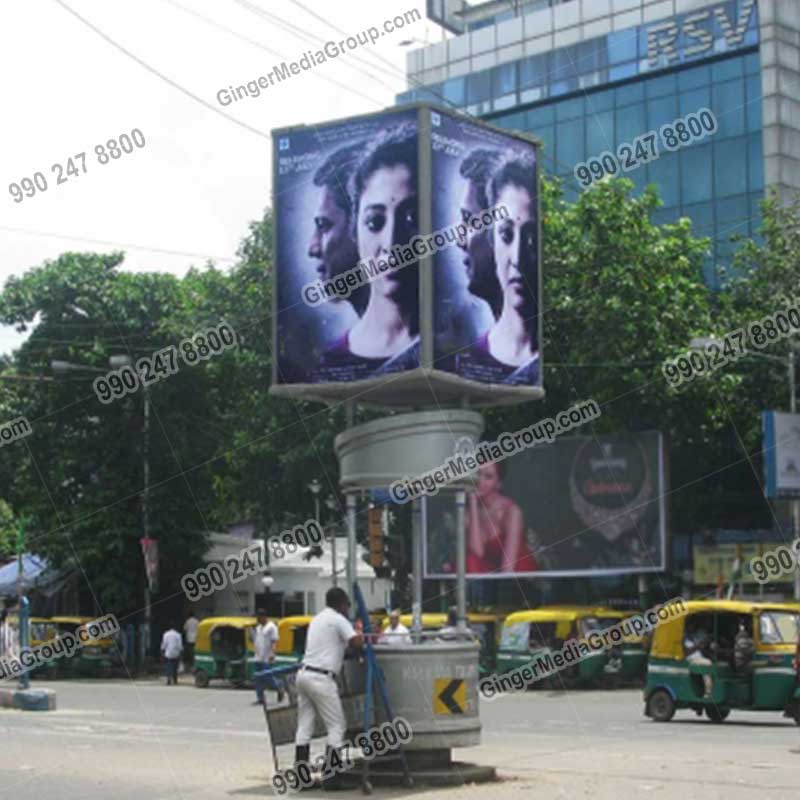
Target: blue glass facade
(593,96)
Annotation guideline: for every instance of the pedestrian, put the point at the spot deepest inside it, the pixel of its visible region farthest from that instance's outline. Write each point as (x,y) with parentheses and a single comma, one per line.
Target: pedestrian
(395,632)
(9,641)
(190,637)
(329,635)
(265,637)
(171,648)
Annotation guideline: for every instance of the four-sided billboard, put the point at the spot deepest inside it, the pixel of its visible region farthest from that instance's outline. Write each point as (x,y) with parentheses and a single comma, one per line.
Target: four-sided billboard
(406,261)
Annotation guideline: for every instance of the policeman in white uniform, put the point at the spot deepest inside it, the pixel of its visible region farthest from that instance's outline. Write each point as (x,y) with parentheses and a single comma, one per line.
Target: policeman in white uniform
(329,634)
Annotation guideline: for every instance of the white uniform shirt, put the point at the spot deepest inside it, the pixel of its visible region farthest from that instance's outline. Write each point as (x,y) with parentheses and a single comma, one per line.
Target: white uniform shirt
(326,641)
(9,642)
(190,629)
(264,638)
(171,644)
(396,636)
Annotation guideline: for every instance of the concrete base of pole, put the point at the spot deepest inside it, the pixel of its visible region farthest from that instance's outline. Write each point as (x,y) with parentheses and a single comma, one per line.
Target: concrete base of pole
(28,699)
(428,768)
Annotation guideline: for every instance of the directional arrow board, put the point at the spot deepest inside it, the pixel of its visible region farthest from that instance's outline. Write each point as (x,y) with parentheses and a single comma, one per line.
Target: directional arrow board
(449,695)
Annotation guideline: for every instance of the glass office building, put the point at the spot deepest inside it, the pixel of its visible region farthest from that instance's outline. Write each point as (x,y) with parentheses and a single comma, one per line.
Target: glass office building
(586,76)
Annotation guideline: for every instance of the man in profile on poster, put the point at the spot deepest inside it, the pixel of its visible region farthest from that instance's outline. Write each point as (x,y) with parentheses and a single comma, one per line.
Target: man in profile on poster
(332,244)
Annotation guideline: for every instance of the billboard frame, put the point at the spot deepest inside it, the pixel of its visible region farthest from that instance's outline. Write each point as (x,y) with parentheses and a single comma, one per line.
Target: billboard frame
(424,386)
(663,536)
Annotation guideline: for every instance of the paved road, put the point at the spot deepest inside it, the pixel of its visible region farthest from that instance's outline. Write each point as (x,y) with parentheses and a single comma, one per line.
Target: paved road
(117,740)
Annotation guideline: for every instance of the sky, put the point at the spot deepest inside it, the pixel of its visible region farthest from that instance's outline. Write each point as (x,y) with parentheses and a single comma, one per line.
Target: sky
(200,178)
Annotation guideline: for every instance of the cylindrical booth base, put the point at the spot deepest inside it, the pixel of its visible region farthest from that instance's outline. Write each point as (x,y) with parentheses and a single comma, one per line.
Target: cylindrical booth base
(434,687)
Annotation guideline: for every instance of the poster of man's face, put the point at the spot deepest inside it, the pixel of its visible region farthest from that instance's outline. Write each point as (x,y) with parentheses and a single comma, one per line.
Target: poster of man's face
(486,298)
(346,194)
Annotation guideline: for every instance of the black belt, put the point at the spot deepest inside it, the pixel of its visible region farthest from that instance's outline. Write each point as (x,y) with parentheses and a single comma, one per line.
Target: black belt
(321,671)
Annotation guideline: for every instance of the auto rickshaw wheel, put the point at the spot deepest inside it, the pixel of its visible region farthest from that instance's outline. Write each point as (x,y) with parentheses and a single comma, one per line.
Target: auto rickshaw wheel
(201,679)
(717,714)
(661,706)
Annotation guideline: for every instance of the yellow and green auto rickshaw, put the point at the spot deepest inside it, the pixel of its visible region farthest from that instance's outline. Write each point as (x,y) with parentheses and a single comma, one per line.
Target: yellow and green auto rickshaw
(628,660)
(485,626)
(531,634)
(692,662)
(291,640)
(224,650)
(94,658)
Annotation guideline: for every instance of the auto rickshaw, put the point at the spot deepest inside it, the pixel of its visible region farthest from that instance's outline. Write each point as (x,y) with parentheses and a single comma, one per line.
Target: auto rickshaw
(627,661)
(692,663)
(93,659)
(291,639)
(485,626)
(224,650)
(41,630)
(528,635)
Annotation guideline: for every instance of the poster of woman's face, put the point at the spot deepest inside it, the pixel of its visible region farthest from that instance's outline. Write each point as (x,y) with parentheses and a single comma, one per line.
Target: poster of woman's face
(584,505)
(346,198)
(486,295)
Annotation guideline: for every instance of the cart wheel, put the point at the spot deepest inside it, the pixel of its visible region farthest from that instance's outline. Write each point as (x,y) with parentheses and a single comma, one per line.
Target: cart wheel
(201,679)
(717,714)
(366,788)
(661,706)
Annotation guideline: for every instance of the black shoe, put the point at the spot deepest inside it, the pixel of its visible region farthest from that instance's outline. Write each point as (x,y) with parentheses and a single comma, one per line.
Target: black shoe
(333,778)
(257,703)
(280,695)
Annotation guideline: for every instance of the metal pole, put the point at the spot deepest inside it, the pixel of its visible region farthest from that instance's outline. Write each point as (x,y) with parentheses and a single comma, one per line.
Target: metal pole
(24,678)
(351,543)
(461,564)
(146,518)
(416,558)
(795,503)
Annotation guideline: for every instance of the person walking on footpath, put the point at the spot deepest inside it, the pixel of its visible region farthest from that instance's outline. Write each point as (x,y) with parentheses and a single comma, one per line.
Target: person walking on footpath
(329,635)
(265,636)
(190,638)
(171,648)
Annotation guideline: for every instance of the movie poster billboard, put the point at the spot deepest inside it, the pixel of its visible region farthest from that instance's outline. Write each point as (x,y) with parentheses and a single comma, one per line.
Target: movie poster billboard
(487,288)
(346,201)
(583,505)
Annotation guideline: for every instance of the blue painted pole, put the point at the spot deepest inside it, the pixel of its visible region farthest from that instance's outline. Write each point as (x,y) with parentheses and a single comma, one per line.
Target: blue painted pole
(24,638)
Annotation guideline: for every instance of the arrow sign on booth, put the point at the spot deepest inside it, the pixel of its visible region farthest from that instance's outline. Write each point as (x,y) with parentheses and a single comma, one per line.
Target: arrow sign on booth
(449,695)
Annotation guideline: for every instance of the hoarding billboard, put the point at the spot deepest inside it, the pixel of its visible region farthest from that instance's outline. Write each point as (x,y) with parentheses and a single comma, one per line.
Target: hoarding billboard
(781,454)
(584,505)
(486,289)
(346,196)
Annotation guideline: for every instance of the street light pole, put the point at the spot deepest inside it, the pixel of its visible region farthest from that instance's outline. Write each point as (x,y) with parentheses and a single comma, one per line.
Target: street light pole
(794,502)
(115,362)
(330,502)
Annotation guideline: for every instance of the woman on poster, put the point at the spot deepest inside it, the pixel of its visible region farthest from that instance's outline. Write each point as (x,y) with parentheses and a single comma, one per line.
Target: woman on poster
(508,351)
(384,187)
(495,528)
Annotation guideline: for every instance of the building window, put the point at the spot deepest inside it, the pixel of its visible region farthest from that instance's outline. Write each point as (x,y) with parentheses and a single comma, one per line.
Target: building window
(479,86)
(455,91)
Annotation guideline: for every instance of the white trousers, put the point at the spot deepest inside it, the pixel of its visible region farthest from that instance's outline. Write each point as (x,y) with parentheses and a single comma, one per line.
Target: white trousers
(318,693)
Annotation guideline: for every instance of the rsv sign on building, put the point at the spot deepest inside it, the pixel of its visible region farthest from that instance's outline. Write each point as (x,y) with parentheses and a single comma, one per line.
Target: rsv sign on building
(701,33)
